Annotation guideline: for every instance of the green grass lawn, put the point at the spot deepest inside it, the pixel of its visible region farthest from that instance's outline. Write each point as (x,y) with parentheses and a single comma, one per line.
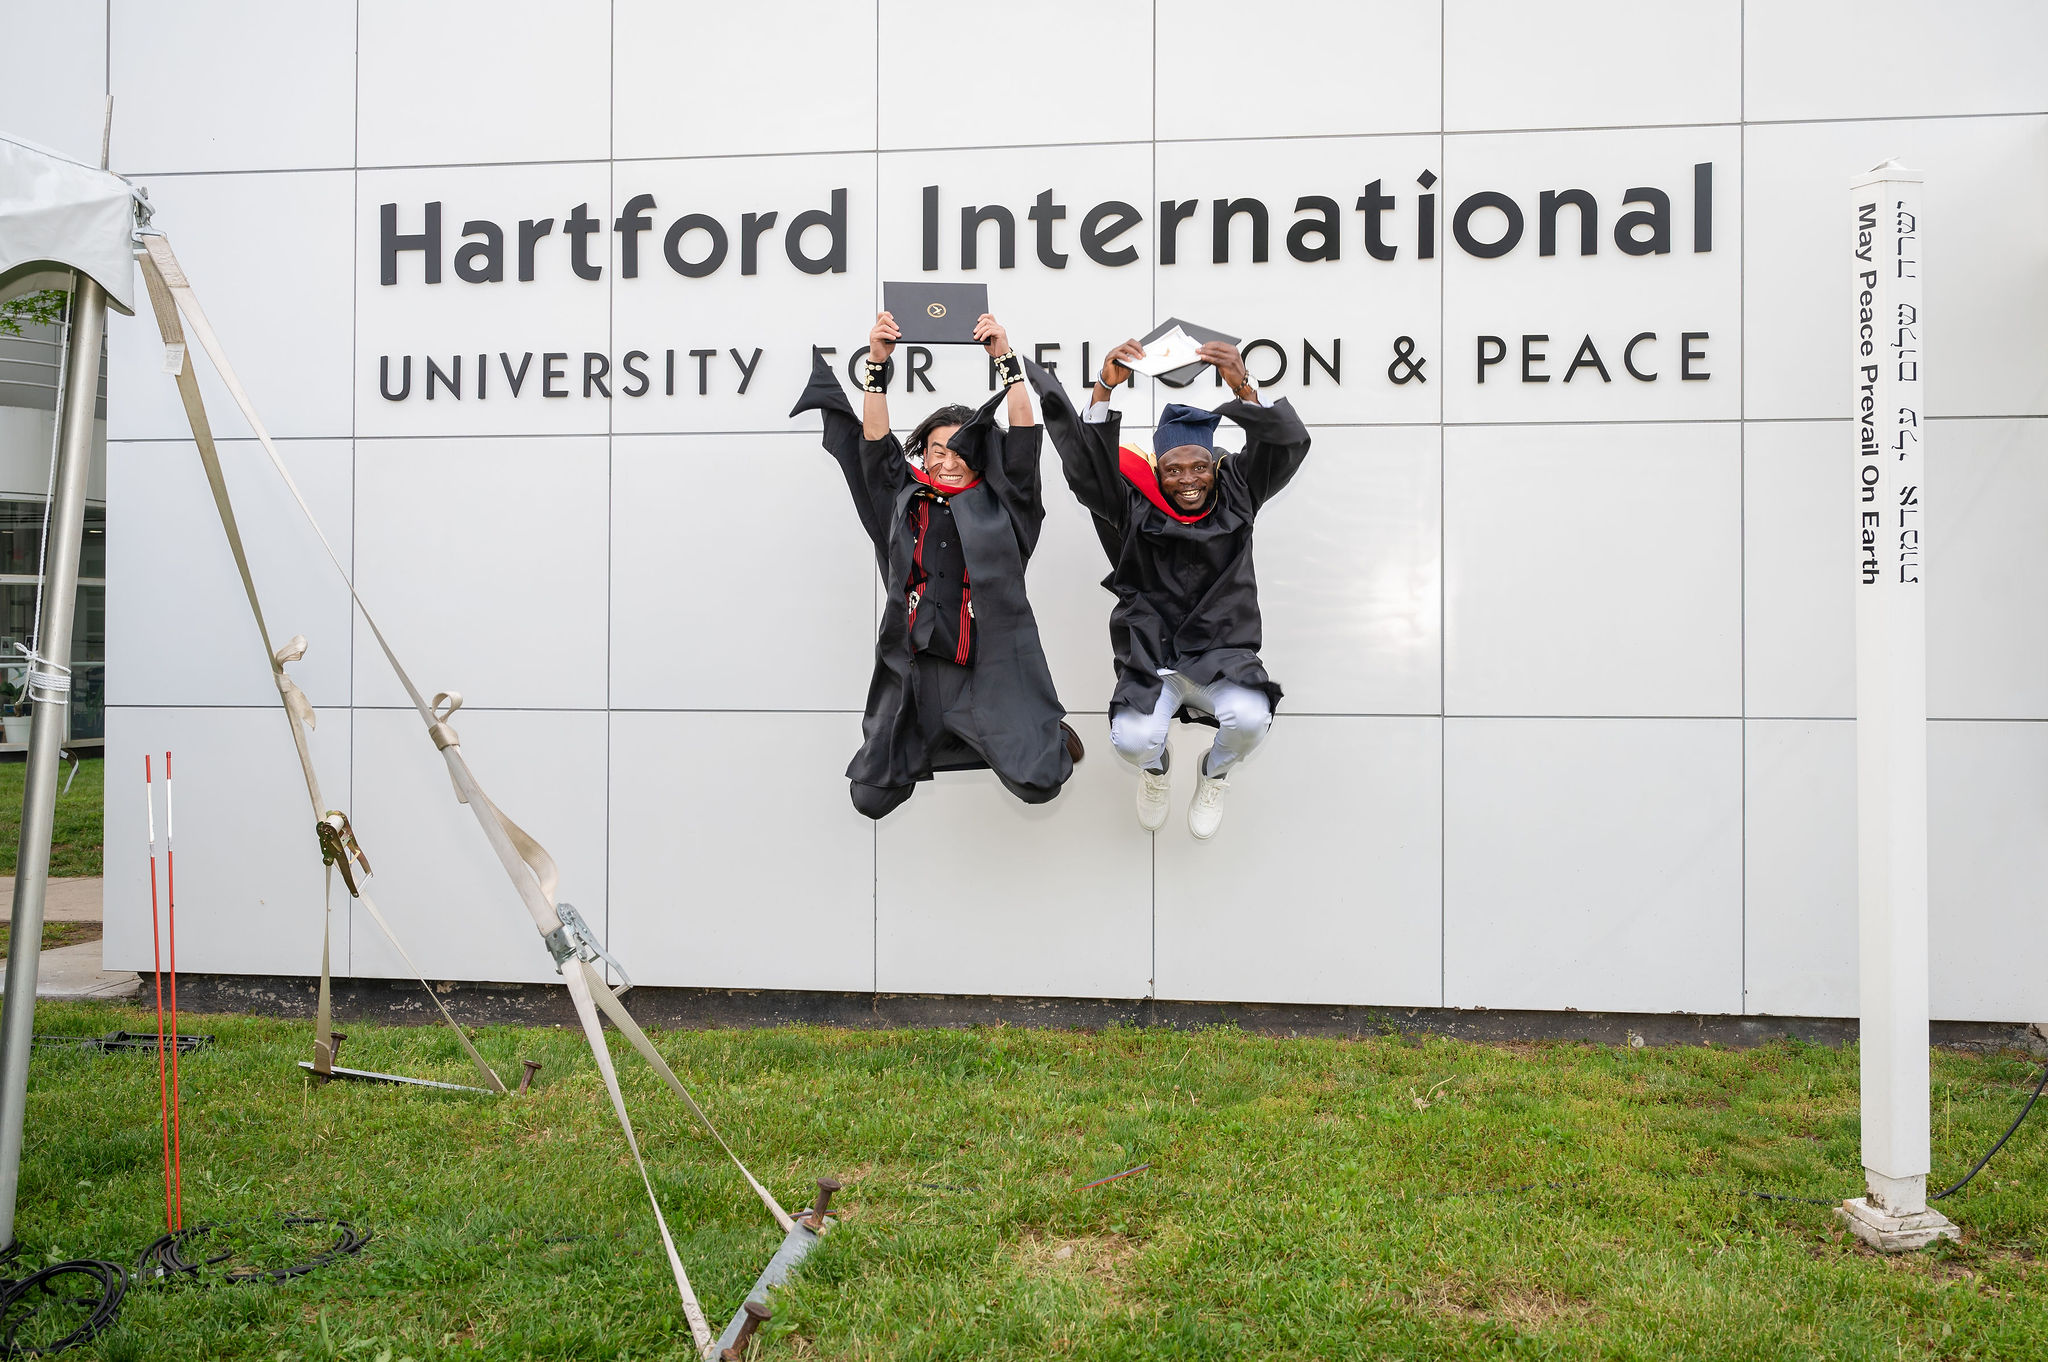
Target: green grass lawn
(75,840)
(1307,1198)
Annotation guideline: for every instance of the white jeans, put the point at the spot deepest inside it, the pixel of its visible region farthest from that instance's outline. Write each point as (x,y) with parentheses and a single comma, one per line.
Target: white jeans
(1243,717)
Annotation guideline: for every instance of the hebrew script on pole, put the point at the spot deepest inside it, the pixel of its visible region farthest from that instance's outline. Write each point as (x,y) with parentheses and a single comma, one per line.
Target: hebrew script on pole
(1891,567)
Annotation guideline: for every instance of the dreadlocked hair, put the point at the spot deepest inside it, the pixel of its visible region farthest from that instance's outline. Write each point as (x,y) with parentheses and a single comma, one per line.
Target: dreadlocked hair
(952,414)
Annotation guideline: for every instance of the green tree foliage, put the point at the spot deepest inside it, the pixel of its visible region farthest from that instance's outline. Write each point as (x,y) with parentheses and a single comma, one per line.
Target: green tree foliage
(32,309)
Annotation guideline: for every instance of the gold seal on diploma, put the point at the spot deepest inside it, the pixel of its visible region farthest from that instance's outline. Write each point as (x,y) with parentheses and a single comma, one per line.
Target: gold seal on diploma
(931,313)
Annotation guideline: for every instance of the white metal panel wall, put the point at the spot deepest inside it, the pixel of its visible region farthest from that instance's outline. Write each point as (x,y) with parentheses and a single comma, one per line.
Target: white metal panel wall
(1568,665)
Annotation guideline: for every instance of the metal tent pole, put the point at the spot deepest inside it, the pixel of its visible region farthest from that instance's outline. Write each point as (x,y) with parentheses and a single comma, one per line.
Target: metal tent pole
(49,727)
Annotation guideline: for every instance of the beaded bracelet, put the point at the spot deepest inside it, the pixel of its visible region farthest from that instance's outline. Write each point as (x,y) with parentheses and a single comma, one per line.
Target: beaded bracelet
(878,375)
(1009,368)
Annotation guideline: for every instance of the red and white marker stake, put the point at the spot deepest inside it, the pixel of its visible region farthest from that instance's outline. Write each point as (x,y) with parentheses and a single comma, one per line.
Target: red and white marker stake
(156,951)
(171,931)
(166,1068)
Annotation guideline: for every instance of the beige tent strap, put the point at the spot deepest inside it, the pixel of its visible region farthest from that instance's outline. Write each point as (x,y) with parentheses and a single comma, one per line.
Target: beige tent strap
(580,991)
(295,701)
(504,836)
(177,290)
(527,864)
(162,282)
(170,288)
(616,1010)
(162,302)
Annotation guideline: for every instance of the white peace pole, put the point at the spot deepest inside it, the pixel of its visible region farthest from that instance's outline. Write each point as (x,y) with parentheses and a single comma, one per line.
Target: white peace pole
(1891,711)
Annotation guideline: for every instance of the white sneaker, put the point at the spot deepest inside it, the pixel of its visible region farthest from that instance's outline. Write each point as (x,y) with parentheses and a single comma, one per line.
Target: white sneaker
(1154,790)
(1205,810)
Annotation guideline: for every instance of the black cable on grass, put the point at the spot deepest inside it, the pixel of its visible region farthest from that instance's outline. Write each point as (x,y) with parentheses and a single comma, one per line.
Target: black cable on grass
(1977,1167)
(1783,1196)
(165,1260)
(37,1304)
(114,1041)
(161,1260)
(32,1303)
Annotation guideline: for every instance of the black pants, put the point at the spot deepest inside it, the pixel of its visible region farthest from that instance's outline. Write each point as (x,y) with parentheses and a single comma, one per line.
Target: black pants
(944,701)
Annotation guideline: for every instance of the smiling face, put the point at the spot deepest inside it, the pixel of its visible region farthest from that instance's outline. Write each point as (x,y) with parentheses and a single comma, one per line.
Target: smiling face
(941,464)
(1186,473)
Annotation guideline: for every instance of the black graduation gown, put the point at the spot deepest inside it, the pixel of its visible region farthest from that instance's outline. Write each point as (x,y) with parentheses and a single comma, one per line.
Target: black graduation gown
(1016,711)
(1186,595)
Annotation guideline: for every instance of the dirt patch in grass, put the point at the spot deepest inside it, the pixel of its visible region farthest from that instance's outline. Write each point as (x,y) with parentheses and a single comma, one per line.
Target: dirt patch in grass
(55,934)
(849,1179)
(1104,1257)
(1961,1264)
(1445,1296)
(1525,1308)
(1529,1308)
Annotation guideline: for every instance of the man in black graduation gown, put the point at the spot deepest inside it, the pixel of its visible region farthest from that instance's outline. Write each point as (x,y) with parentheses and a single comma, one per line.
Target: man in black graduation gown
(960,679)
(1177,527)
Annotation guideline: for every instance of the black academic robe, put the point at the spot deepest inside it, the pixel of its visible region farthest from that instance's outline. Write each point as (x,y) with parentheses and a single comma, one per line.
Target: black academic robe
(1016,711)
(1187,597)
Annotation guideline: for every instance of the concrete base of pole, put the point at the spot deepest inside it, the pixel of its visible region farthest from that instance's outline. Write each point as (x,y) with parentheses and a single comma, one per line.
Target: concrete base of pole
(1888,1233)
(1895,1217)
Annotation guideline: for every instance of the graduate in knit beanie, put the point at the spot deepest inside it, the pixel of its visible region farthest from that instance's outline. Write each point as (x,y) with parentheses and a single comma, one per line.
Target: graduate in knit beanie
(1177,526)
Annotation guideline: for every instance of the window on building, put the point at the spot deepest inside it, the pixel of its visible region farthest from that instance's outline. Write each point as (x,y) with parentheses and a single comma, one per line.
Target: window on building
(21,542)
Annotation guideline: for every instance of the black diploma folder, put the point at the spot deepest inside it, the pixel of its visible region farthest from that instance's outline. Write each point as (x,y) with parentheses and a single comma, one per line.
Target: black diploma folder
(936,314)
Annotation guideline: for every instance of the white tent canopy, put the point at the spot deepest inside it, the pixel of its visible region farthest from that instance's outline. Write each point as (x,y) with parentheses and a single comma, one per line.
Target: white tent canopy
(59,215)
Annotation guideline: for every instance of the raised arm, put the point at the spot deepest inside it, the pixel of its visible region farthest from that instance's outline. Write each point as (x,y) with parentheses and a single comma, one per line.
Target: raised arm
(1115,370)
(996,341)
(1019,451)
(1088,447)
(1276,442)
(874,406)
(1013,451)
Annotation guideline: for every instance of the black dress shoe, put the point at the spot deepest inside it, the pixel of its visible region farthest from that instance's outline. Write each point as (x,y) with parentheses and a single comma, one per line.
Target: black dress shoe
(1074,749)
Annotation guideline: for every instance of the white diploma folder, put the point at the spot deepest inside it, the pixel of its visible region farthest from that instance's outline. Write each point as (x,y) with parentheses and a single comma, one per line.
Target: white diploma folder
(1174,350)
